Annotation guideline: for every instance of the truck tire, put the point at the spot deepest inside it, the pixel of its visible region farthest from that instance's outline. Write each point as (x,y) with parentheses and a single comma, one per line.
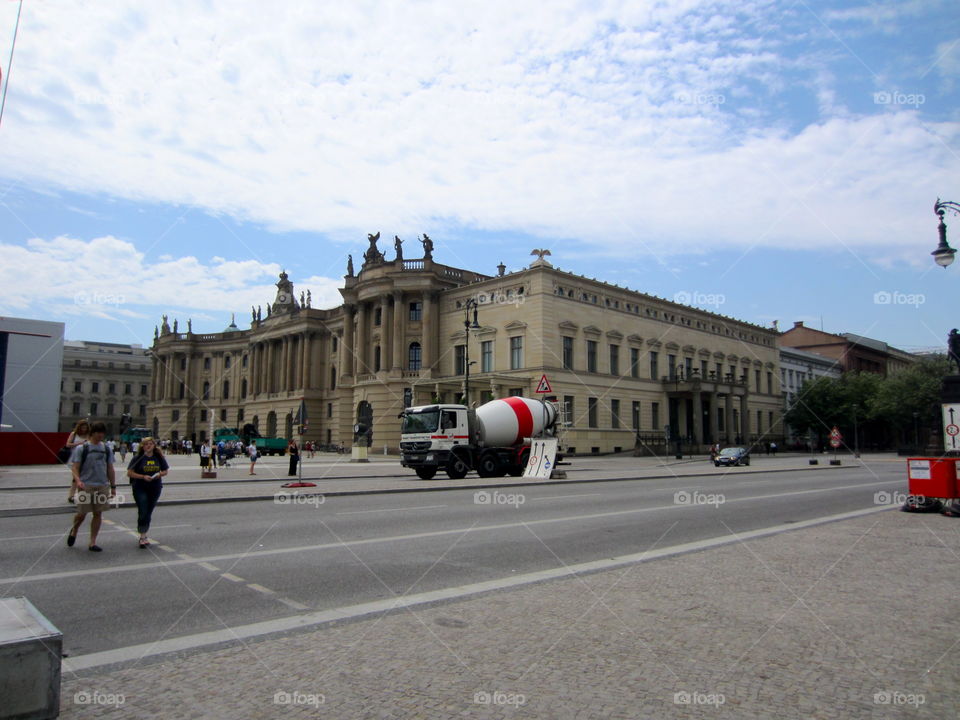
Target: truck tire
(489,465)
(426,473)
(517,470)
(457,468)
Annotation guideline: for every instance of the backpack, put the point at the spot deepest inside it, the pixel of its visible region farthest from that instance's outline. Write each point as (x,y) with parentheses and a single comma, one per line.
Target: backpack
(86,451)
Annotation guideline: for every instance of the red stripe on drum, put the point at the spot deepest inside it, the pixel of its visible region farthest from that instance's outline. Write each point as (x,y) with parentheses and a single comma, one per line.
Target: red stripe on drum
(524,417)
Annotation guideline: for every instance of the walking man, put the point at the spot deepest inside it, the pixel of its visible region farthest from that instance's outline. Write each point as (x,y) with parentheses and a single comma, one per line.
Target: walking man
(92,467)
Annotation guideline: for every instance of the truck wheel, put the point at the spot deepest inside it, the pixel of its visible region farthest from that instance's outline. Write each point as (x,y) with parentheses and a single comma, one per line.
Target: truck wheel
(457,469)
(489,465)
(426,473)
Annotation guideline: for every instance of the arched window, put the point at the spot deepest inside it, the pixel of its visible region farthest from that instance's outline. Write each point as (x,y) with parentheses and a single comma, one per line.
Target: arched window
(413,357)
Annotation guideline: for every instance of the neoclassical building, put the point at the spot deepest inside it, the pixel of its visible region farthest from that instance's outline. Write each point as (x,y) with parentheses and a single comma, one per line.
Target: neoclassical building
(624,366)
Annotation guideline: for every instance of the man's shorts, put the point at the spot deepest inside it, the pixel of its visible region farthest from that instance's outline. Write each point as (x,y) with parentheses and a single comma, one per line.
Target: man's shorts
(93,500)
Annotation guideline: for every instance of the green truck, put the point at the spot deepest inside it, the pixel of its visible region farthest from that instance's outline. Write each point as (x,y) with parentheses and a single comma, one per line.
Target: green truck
(265,445)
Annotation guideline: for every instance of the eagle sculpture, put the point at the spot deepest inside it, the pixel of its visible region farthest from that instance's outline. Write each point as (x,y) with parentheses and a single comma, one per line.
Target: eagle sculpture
(540,253)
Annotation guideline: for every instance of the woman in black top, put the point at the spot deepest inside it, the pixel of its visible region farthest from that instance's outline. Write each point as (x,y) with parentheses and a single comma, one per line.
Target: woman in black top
(294,457)
(146,470)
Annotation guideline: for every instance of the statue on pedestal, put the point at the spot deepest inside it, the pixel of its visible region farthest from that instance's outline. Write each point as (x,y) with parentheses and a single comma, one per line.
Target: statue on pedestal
(349,265)
(427,247)
(398,246)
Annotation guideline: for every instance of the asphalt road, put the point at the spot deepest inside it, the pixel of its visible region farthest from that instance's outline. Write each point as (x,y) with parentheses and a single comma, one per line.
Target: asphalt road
(222,565)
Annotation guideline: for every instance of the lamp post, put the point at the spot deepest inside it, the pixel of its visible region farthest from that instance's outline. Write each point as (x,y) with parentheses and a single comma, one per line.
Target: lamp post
(471,304)
(943,255)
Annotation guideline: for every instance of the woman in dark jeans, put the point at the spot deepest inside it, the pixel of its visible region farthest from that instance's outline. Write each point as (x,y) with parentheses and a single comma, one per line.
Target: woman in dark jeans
(146,470)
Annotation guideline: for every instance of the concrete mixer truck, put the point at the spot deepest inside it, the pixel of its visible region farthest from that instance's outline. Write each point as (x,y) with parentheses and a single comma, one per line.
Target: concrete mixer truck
(493,439)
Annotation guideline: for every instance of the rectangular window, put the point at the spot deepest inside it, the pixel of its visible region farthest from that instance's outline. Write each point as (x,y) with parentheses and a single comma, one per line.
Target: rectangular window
(76,408)
(672,366)
(226,389)
(78,386)
(635,415)
(592,412)
(414,357)
(614,414)
(378,317)
(329,410)
(143,411)
(568,352)
(110,410)
(223,415)
(126,408)
(239,416)
(757,378)
(95,387)
(655,415)
(568,408)
(176,415)
(634,362)
(334,343)
(591,356)
(703,368)
(759,422)
(112,389)
(183,391)
(416,311)
(226,362)
(203,416)
(516,353)
(243,362)
(459,359)
(486,356)
(93,409)
(614,359)
(183,363)
(206,363)
(688,367)
(516,392)
(376,359)
(770,383)
(719,371)
(654,370)
(143,389)
(127,389)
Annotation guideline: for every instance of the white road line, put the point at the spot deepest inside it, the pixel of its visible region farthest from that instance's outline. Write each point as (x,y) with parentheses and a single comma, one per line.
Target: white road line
(417,536)
(102,532)
(231,577)
(564,497)
(419,507)
(208,566)
(312,619)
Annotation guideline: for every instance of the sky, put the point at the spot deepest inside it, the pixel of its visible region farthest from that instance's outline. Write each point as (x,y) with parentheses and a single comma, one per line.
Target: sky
(767,160)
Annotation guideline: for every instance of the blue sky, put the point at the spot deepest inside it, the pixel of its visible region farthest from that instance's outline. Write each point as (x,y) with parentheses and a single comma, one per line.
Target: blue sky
(767,160)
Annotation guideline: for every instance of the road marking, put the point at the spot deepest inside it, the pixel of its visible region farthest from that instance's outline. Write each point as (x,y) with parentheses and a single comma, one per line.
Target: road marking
(208,566)
(260,588)
(104,531)
(231,577)
(419,507)
(415,536)
(313,619)
(564,497)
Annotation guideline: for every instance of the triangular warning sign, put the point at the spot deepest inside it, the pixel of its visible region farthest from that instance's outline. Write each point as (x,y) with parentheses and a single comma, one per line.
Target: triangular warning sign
(544,386)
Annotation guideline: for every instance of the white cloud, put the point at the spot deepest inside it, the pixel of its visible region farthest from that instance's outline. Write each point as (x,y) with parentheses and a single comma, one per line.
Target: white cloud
(603,122)
(109,278)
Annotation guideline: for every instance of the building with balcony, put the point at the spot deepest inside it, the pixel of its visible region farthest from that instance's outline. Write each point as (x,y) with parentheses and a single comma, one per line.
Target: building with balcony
(624,366)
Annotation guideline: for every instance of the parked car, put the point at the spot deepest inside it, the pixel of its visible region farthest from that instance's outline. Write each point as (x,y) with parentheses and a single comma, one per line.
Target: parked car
(733,456)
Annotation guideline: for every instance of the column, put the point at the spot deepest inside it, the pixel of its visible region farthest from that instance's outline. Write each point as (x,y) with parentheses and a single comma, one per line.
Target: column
(251,370)
(168,375)
(682,416)
(697,417)
(361,341)
(744,421)
(427,344)
(305,361)
(387,355)
(284,364)
(346,346)
(154,369)
(714,417)
(728,421)
(398,362)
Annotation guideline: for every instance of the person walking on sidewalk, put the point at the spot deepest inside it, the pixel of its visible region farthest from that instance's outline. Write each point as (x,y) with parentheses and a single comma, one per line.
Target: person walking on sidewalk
(146,472)
(92,465)
(77,438)
(294,457)
(205,456)
(252,452)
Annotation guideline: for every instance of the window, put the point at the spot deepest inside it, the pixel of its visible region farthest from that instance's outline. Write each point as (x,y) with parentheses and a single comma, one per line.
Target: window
(143,411)
(757,377)
(614,413)
(183,391)
(568,408)
(759,422)
(654,371)
(486,356)
(226,389)
(655,415)
(110,410)
(206,390)
(76,408)
(376,359)
(568,352)
(183,363)
(329,410)
(112,388)
(78,386)
(635,415)
(223,415)
(203,416)
(239,416)
(516,392)
(95,387)
(592,412)
(770,383)
(334,343)
(378,317)
(226,363)
(591,356)
(206,363)
(126,408)
(176,415)
(143,389)
(688,367)
(672,366)
(333,378)
(516,352)
(413,357)
(416,311)
(459,359)
(614,359)
(634,362)
(243,389)
(243,362)
(703,368)
(93,409)
(127,389)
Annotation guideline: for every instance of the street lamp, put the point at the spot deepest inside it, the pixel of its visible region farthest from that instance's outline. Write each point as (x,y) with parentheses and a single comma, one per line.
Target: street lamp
(467,327)
(943,255)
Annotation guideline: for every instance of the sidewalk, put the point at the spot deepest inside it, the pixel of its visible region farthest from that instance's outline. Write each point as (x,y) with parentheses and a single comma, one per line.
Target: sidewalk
(43,489)
(849,619)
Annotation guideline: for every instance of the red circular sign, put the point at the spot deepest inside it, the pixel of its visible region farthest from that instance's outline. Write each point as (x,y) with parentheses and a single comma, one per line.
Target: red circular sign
(953,430)
(835,442)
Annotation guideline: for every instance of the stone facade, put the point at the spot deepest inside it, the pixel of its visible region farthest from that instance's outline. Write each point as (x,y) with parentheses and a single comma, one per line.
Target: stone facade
(102,381)
(853,353)
(622,365)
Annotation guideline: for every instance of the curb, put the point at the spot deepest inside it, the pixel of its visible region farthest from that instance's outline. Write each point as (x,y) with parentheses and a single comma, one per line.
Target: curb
(60,510)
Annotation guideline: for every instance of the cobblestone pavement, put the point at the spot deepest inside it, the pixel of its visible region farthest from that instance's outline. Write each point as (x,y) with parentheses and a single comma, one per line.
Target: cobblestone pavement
(339,475)
(851,619)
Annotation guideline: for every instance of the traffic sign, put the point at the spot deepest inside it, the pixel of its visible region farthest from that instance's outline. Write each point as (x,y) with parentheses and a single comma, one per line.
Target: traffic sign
(951,426)
(835,434)
(835,442)
(953,430)
(544,386)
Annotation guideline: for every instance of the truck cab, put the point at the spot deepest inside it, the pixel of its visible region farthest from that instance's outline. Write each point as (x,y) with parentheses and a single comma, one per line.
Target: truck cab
(429,434)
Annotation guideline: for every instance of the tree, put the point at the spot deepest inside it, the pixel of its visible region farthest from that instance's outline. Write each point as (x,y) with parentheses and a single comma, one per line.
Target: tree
(915,389)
